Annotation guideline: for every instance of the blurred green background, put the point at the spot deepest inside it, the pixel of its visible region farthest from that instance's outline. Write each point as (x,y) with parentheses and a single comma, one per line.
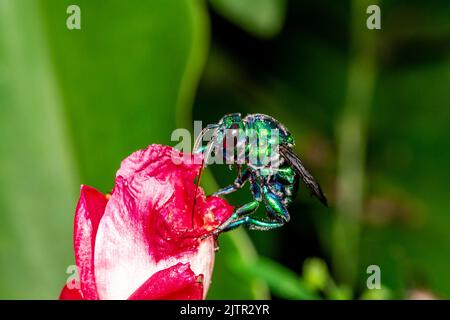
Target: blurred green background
(369,110)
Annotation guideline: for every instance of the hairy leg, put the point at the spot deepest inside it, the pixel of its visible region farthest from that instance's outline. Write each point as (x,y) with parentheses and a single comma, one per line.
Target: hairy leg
(277,212)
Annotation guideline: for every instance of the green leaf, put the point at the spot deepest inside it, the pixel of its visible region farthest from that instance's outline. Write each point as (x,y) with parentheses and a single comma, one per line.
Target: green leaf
(377,294)
(342,292)
(231,280)
(74,103)
(315,273)
(39,179)
(123,75)
(262,18)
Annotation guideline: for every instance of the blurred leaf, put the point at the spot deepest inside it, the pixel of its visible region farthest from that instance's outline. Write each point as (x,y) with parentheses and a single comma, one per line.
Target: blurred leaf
(74,104)
(377,294)
(122,75)
(282,281)
(38,177)
(262,18)
(342,292)
(230,279)
(315,274)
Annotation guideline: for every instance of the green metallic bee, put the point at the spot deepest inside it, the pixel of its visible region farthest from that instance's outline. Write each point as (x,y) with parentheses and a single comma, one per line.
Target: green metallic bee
(275,186)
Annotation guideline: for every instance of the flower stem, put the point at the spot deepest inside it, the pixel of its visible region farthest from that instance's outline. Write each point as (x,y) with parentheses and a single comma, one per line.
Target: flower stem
(351,134)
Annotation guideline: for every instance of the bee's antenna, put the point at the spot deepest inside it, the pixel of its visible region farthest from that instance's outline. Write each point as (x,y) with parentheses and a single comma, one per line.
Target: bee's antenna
(196,189)
(205,158)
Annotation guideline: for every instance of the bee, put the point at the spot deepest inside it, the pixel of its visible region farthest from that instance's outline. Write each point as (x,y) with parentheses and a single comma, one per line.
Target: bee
(262,149)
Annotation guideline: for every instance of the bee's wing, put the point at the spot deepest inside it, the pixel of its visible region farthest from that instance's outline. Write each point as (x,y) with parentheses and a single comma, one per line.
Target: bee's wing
(307,178)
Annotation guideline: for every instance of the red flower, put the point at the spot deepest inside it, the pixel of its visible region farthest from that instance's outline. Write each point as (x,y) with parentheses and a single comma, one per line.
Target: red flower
(139,242)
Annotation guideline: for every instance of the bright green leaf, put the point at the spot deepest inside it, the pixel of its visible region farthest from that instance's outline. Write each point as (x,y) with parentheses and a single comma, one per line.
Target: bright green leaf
(74,103)
(315,273)
(377,294)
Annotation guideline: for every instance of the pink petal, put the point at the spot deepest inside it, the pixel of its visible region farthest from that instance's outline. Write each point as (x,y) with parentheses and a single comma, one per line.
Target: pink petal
(90,209)
(147,225)
(178,282)
(70,294)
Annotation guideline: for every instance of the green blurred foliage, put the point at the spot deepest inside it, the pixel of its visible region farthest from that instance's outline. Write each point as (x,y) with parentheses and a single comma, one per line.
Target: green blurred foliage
(302,77)
(262,18)
(282,281)
(315,273)
(73,104)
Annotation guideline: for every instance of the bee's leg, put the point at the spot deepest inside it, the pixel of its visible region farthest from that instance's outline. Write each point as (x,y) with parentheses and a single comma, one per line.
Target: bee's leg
(276,209)
(278,215)
(198,142)
(256,224)
(239,214)
(201,149)
(226,190)
(238,183)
